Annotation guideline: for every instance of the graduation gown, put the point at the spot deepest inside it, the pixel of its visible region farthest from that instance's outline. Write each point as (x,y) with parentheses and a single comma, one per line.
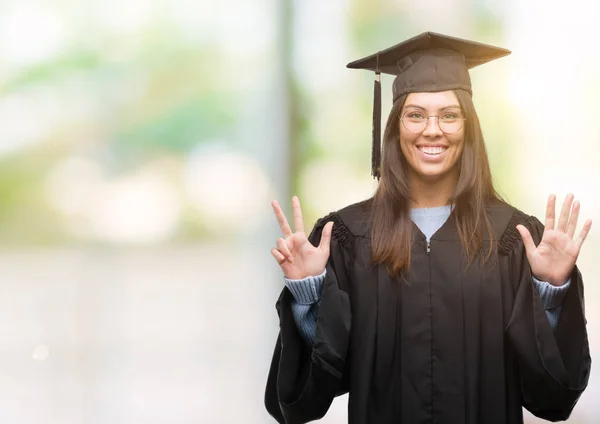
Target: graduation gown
(453,344)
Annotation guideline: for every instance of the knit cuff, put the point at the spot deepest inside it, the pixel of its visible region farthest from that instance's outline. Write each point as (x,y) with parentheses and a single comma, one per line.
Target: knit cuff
(552,296)
(307,290)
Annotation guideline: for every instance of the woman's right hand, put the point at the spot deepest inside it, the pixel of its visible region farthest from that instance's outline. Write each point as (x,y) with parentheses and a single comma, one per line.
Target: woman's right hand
(296,256)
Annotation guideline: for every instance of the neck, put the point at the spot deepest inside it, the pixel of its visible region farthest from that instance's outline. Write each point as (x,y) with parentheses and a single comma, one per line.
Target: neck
(432,193)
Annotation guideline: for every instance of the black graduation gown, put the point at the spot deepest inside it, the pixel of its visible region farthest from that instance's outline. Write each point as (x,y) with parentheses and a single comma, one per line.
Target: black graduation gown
(454,344)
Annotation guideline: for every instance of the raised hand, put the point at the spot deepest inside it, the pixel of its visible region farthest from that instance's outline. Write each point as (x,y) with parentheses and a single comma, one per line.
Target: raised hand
(554,258)
(296,256)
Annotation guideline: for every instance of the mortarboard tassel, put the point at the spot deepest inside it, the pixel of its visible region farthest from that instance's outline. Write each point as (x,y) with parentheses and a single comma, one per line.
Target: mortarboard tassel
(376,148)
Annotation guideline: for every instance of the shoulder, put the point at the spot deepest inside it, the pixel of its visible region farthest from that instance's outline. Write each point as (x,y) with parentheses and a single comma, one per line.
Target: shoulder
(505,218)
(349,222)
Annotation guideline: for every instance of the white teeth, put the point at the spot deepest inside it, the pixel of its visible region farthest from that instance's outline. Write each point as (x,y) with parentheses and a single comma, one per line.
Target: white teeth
(436,150)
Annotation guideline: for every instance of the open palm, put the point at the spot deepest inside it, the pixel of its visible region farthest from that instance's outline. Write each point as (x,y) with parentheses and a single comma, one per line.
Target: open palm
(554,258)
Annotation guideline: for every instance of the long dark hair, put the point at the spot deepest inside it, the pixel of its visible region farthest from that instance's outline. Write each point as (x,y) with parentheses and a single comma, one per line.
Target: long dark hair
(391,228)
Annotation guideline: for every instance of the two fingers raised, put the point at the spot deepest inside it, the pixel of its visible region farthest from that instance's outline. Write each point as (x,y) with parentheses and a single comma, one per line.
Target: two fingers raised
(282,220)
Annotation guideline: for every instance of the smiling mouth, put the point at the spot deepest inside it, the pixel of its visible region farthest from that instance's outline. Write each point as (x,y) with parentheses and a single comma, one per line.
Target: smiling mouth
(432,150)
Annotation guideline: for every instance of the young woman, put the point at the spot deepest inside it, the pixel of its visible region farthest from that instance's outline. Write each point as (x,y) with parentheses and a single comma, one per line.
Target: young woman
(434,300)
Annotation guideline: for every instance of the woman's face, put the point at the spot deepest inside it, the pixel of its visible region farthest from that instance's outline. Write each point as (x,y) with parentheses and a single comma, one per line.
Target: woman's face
(431,153)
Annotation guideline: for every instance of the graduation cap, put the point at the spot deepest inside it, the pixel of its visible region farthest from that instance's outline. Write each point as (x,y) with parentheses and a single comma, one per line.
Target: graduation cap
(429,62)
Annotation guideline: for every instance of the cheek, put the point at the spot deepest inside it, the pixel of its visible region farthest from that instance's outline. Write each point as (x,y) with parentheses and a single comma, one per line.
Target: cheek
(403,145)
(459,145)
(406,143)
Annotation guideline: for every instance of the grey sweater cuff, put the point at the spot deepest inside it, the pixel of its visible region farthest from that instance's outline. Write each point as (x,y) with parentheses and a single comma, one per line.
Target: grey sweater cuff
(552,296)
(307,290)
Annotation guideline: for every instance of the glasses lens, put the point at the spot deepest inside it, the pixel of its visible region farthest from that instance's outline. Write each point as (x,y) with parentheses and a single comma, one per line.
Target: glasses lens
(451,123)
(414,122)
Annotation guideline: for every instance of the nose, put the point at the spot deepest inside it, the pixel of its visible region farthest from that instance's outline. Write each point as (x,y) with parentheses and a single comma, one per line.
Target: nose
(433,127)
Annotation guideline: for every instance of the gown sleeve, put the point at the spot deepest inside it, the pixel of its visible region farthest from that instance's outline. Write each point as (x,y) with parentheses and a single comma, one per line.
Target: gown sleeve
(554,367)
(304,379)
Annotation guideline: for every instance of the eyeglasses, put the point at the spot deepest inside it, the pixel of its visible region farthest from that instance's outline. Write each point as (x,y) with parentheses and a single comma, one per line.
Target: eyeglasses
(416,122)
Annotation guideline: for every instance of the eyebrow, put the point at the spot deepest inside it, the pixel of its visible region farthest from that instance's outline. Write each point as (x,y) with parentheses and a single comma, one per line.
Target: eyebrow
(442,108)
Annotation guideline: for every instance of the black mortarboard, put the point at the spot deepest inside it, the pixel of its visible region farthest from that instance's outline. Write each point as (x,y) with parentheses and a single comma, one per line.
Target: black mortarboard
(426,63)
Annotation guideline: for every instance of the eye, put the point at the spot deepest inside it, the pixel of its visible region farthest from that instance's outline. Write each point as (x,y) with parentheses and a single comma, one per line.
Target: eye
(450,116)
(415,116)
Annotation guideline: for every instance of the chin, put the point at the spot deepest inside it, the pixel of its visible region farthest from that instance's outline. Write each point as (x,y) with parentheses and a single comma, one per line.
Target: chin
(433,174)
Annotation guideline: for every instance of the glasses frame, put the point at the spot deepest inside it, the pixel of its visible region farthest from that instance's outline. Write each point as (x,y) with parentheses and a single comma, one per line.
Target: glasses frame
(427,123)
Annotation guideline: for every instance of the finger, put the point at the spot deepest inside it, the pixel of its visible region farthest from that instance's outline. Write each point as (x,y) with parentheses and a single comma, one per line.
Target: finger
(584,232)
(564,213)
(573,220)
(283,223)
(326,237)
(550,207)
(527,239)
(278,256)
(283,248)
(298,221)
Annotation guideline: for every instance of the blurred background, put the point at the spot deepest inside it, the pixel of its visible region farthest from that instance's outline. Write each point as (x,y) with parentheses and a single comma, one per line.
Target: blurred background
(141,142)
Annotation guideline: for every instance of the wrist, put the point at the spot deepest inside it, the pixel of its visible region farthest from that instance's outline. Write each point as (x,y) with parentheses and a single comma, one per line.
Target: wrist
(296,278)
(554,281)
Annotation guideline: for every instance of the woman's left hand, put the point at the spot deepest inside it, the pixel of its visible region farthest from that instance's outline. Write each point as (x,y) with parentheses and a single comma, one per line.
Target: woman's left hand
(554,258)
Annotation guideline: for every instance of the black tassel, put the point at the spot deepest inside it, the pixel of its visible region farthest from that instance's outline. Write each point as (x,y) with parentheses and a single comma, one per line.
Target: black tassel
(376,148)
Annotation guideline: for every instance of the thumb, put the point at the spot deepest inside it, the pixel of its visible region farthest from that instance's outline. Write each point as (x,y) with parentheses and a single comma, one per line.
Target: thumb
(326,237)
(527,239)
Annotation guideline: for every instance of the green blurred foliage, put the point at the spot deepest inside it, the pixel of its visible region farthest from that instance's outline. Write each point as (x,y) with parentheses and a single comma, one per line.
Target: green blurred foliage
(159,99)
